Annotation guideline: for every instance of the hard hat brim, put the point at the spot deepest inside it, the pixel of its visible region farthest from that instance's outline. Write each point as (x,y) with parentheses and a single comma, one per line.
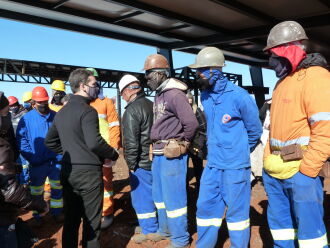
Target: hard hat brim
(193,66)
(265,49)
(41,99)
(196,66)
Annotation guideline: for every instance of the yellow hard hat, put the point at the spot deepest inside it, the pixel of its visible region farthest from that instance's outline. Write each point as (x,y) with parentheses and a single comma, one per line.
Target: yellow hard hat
(27,96)
(58,85)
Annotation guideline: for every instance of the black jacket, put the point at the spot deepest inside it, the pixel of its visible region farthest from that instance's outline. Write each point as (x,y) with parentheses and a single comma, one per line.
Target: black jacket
(136,126)
(198,144)
(13,196)
(75,134)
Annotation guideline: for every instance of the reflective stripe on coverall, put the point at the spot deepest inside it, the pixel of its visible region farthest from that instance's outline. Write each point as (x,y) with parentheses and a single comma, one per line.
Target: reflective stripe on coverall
(300,114)
(170,197)
(221,188)
(142,201)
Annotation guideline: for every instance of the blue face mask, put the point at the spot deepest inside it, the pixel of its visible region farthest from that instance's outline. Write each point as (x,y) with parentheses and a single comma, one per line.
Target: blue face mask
(211,77)
(27,105)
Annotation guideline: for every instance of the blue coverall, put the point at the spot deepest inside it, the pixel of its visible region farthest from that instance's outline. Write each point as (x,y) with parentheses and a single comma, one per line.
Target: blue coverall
(233,130)
(31,132)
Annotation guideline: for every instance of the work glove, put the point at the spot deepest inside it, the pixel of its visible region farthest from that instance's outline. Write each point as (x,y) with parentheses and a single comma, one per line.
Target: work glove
(115,155)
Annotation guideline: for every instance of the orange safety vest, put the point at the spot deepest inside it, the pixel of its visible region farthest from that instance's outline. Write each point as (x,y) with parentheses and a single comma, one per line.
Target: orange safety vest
(300,114)
(108,121)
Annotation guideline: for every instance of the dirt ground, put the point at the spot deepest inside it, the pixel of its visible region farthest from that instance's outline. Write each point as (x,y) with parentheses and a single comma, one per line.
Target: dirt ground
(119,234)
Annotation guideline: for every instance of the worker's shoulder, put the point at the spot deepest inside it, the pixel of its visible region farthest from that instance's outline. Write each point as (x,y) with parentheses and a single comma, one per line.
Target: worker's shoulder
(315,72)
(237,93)
(140,104)
(315,77)
(74,110)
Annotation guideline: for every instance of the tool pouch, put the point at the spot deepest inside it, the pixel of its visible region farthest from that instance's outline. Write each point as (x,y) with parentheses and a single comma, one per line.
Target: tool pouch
(172,149)
(291,152)
(325,171)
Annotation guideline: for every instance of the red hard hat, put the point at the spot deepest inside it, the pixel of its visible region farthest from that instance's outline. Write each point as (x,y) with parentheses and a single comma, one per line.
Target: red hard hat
(12,100)
(39,94)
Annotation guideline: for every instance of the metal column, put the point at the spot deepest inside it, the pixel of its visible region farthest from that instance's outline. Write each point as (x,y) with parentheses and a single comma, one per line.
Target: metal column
(257,81)
(167,53)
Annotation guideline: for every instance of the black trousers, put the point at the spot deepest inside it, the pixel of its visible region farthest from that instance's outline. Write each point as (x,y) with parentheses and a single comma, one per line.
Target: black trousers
(83,198)
(198,168)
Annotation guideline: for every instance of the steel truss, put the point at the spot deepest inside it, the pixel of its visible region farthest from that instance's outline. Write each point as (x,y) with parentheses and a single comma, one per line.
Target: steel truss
(33,72)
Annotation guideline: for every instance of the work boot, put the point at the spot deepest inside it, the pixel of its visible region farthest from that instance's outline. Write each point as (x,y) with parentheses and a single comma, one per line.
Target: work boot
(59,218)
(156,237)
(139,238)
(106,221)
(173,246)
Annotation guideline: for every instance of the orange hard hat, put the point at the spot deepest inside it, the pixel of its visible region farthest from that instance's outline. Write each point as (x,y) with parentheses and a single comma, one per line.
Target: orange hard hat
(39,94)
(155,61)
(12,100)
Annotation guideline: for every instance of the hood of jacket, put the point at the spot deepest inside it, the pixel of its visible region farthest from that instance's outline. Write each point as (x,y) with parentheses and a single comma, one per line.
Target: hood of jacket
(172,83)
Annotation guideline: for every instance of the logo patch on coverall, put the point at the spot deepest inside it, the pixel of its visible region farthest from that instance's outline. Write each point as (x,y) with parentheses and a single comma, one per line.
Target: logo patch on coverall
(226,118)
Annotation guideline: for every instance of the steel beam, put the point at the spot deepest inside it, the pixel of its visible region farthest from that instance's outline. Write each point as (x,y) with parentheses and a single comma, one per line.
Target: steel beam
(163,31)
(325,2)
(168,14)
(78,28)
(250,33)
(245,10)
(124,17)
(114,21)
(167,53)
(60,3)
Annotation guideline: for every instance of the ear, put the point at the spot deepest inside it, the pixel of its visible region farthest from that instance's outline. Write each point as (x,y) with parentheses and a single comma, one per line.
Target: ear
(81,86)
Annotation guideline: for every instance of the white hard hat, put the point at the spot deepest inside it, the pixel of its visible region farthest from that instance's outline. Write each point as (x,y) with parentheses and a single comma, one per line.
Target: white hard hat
(126,80)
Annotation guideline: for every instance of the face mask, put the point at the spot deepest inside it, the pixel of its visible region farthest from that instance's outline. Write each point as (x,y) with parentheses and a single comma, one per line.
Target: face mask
(57,99)
(202,83)
(155,79)
(93,92)
(27,105)
(280,65)
(5,124)
(291,52)
(14,110)
(43,108)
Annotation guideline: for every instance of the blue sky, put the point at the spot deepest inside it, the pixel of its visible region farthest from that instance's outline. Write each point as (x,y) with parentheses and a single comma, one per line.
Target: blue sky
(25,41)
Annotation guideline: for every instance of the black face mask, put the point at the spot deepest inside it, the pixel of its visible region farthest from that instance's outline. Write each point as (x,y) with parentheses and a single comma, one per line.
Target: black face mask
(155,79)
(57,98)
(14,110)
(280,65)
(93,92)
(5,124)
(43,108)
(202,83)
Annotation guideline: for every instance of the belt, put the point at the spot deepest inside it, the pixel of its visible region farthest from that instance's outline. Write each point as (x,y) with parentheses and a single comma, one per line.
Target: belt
(161,142)
(167,141)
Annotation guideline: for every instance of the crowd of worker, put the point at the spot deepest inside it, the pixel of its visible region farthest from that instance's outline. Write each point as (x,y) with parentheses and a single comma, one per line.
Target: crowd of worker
(70,142)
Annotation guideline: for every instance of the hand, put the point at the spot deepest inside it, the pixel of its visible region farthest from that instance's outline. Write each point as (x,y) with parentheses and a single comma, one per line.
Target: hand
(46,210)
(187,144)
(115,155)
